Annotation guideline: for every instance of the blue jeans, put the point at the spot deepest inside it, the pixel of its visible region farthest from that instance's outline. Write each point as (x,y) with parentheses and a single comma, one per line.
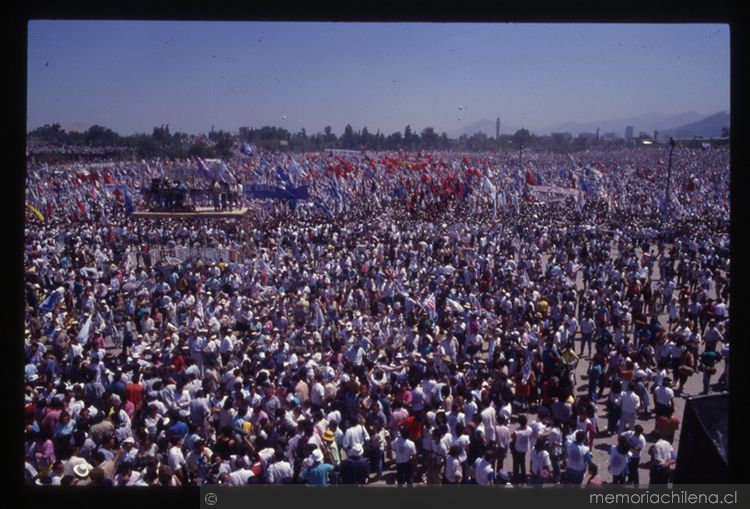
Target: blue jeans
(575,476)
(376,461)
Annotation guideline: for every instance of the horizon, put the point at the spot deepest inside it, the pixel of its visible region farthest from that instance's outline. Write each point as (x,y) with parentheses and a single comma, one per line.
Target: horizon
(131,76)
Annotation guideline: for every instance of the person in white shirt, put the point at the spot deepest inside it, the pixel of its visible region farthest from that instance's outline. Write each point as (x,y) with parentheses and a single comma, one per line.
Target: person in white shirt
(636,442)
(405,451)
(483,471)
(663,398)
(619,459)
(521,439)
(503,436)
(241,475)
(662,458)
(356,434)
(578,457)
(279,471)
(629,404)
(541,464)
(453,470)
(176,459)
(555,446)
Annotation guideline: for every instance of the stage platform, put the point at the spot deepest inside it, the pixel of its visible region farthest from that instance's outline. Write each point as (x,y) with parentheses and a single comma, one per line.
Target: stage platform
(198,213)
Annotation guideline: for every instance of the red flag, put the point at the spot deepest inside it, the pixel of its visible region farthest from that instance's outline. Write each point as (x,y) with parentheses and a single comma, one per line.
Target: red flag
(530,179)
(106,178)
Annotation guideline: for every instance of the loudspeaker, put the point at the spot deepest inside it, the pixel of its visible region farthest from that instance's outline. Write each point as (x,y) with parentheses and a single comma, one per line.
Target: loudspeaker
(702,457)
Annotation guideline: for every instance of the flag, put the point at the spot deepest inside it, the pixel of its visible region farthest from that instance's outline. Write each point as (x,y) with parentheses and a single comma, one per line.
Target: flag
(224,174)
(320,205)
(205,170)
(35,211)
(49,303)
(83,334)
(284,176)
(531,179)
(264,269)
(295,170)
(429,304)
(454,305)
(128,204)
(246,149)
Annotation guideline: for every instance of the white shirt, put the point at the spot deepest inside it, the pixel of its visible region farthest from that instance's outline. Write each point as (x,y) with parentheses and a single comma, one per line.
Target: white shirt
(483,472)
(240,477)
(453,469)
(539,460)
(355,435)
(662,451)
(630,402)
(618,462)
(175,458)
(636,443)
(317,394)
(576,456)
(663,395)
(522,439)
(279,471)
(404,449)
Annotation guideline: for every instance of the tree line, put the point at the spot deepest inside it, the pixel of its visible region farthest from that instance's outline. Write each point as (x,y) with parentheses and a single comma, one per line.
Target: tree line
(223,144)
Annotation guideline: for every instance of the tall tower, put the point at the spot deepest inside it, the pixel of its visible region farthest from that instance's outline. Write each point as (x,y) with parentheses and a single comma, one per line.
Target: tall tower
(497,129)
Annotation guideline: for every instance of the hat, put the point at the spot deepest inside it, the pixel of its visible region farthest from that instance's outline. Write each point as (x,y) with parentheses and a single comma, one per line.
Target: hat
(128,440)
(356,451)
(81,470)
(328,436)
(316,456)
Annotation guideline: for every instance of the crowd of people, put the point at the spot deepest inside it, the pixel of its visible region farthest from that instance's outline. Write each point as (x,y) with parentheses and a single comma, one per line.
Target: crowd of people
(423,315)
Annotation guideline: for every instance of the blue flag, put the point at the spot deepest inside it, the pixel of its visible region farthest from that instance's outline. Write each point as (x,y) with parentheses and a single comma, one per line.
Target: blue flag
(320,205)
(50,302)
(284,176)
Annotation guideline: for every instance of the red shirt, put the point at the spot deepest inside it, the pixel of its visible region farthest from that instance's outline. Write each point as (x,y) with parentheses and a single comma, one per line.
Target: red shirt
(134,393)
(414,426)
(178,362)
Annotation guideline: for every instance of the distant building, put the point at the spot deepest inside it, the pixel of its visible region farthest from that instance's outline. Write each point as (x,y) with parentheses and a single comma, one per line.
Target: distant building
(609,136)
(497,129)
(629,132)
(587,136)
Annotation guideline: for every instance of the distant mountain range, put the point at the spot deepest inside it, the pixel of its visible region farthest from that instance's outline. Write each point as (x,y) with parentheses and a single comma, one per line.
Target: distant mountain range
(709,127)
(685,124)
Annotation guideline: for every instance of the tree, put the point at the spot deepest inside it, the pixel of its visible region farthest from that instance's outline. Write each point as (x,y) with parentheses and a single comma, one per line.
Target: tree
(409,138)
(522,137)
(394,141)
(52,133)
(347,139)
(429,138)
(98,136)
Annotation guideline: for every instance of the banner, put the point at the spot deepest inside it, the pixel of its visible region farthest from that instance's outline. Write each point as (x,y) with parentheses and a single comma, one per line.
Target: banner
(266,191)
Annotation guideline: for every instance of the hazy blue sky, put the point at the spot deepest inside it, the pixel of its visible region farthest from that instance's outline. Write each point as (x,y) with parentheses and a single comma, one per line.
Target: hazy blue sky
(133,75)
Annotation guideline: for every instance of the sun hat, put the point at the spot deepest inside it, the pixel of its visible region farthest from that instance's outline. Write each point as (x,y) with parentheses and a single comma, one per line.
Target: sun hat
(328,436)
(81,470)
(316,456)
